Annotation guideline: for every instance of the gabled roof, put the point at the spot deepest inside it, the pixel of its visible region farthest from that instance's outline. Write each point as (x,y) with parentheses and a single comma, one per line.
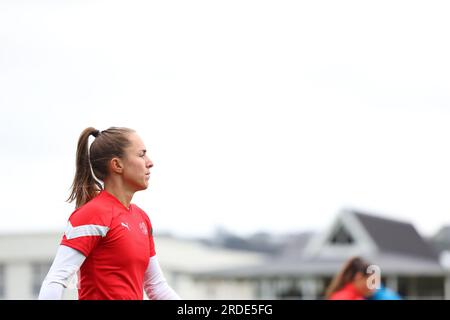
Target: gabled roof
(391,236)
(356,233)
(395,246)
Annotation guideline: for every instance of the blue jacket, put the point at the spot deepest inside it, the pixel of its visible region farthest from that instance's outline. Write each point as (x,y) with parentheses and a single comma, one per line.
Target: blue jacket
(384,293)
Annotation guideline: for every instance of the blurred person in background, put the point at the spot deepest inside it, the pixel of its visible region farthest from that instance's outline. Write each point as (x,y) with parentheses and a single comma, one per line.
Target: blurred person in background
(384,293)
(108,240)
(351,282)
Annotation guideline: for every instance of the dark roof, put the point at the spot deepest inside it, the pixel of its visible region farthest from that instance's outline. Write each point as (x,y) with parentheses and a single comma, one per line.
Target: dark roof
(396,236)
(441,240)
(443,235)
(293,245)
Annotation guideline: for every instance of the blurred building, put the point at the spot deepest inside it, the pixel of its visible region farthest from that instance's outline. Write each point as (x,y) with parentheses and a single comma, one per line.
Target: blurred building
(408,263)
(441,244)
(24,261)
(294,267)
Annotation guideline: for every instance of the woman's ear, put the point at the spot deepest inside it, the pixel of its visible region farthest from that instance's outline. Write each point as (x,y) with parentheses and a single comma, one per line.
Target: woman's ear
(116,165)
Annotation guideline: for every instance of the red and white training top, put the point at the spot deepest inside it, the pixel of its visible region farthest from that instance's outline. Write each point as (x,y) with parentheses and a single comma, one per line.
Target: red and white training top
(117,243)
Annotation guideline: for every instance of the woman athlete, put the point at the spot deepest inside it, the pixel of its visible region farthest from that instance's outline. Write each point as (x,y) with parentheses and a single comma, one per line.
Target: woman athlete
(108,240)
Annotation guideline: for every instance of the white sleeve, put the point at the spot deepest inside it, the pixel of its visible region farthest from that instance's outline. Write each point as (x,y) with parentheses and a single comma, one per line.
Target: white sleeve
(155,285)
(66,263)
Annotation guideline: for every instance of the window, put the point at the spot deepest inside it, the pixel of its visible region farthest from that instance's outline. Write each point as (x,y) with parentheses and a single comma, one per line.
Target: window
(39,272)
(2,282)
(323,286)
(421,287)
(341,236)
(293,292)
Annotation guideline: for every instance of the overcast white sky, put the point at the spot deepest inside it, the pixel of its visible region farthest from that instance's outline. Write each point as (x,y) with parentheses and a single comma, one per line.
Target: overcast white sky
(258,115)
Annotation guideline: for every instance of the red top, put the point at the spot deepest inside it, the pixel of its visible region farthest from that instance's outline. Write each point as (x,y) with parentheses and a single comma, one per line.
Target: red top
(348,292)
(117,243)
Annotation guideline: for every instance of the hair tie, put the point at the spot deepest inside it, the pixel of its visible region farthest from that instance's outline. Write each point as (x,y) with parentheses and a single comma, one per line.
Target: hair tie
(95,133)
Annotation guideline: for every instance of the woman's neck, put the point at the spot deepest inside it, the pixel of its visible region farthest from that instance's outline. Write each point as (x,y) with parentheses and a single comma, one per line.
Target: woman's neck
(122,195)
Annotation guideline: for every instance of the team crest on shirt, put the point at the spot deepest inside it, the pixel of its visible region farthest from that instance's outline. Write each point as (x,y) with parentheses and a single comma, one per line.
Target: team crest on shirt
(143,228)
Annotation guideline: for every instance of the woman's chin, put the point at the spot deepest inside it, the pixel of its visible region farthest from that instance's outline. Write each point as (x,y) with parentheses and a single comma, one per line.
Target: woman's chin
(141,187)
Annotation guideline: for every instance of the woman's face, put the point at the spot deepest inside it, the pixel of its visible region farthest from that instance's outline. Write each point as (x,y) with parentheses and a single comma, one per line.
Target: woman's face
(360,283)
(136,164)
